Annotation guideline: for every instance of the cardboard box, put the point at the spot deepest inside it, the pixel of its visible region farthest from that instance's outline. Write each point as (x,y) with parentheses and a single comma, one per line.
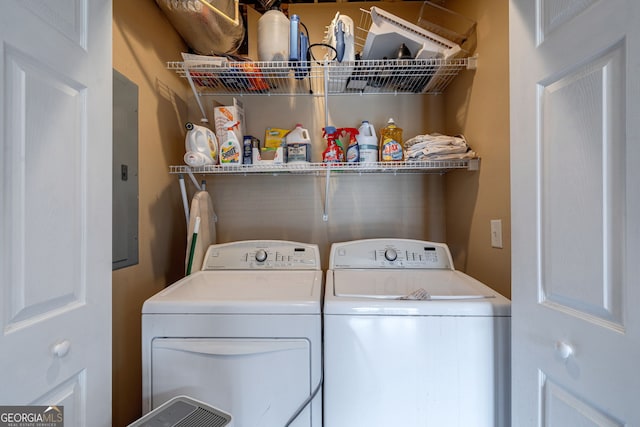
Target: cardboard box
(265,157)
(222,114)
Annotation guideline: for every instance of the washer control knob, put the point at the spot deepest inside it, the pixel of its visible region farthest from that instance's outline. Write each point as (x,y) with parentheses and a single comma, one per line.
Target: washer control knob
(390,254)
(261,255)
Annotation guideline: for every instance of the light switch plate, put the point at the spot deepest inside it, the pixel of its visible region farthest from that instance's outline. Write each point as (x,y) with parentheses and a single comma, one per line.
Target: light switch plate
(496,233)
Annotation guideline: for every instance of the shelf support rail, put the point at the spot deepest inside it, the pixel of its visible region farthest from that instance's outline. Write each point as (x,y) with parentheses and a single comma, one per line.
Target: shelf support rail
(325,214)
(195,92)
(185,202)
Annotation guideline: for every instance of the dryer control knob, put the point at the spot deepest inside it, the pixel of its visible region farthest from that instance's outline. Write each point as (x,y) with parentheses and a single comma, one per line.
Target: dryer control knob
(390,254)
(261,255)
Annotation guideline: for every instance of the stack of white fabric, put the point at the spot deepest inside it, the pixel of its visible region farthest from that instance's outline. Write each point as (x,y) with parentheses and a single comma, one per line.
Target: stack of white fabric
(437,147)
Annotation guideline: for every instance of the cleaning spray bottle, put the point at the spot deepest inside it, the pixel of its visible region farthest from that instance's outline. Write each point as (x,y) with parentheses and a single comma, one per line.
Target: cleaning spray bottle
(391,143)
(353,150)
(333,153)
(201,146)
(230,148)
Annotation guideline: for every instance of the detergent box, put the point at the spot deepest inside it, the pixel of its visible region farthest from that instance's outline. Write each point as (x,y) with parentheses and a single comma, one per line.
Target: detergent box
(223,114)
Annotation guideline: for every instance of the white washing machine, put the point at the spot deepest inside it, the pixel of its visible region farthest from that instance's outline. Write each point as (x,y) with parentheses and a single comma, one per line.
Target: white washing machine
(243,335)
(410,341)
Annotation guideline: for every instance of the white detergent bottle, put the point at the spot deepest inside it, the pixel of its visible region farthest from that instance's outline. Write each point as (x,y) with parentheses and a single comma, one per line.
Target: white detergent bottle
(230,148)
(368,143)
(298,145)
(273,36)
(201,146)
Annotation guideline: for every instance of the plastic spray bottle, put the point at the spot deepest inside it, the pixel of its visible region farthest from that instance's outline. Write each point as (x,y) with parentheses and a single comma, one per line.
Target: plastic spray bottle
(391,143)
(339,142)
(333,153)
(353,150)
(230,148)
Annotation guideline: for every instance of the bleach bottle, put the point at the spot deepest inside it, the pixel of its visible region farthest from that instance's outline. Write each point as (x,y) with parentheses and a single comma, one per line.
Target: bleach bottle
(230,148)
(201,146)
(298,145)
(333,153)
(367,142)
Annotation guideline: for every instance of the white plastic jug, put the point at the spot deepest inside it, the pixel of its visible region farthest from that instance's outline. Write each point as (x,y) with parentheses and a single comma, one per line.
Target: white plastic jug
(273,36)
(368,143)
(201,146)
(298,145)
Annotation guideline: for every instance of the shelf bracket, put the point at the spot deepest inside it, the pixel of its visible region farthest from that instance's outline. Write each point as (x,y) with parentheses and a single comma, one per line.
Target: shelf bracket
(325,214)
(195,92)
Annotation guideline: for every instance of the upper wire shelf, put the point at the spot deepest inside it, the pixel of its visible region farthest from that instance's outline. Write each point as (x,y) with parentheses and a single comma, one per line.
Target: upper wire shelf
(407,76)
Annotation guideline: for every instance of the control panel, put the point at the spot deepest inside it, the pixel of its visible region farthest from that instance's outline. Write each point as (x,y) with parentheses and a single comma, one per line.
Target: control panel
(390,253)
(262,255)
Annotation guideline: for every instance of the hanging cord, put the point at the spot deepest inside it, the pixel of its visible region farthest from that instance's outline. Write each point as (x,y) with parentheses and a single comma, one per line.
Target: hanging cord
(307,400)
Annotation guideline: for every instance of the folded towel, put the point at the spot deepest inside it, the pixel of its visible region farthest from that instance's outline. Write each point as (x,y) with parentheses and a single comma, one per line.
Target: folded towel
(437,147)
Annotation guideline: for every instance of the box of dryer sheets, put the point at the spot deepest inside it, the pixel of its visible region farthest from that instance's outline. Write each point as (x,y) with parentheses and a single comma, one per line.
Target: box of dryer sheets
(223,114)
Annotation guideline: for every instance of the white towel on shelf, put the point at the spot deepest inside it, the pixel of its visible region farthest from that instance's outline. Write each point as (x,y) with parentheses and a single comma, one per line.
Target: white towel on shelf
(202,206)
(437,147)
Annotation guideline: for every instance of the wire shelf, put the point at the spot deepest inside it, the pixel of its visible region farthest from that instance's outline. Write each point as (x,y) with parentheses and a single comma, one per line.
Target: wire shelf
(407,76)
(424,167)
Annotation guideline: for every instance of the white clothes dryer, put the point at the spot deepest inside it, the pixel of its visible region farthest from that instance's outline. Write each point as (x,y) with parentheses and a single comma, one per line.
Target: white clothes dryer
(242,335)
(410,341)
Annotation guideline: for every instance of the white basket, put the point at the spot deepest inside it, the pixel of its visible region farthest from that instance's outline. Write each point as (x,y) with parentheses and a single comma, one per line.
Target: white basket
(388,32)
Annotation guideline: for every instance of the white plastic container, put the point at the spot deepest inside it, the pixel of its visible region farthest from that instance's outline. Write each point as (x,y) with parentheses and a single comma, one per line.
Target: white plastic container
(273,36)
(230,148)
(201,146)
(298,145)
(368,143)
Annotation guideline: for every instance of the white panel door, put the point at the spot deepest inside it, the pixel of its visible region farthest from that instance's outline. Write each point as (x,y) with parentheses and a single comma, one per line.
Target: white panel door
(575,151)
(55,203)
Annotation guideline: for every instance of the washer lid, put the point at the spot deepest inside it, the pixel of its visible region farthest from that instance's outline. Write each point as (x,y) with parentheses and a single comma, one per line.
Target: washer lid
(241,292)
(411,292)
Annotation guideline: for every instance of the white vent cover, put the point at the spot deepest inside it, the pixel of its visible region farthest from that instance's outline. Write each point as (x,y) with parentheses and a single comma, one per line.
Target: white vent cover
(183,411)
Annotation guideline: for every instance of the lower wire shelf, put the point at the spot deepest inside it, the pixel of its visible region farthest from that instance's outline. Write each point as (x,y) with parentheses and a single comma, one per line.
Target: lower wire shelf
(323,169)
(425,167)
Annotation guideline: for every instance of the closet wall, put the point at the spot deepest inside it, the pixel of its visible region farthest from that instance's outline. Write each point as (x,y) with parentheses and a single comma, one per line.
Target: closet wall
(143,41)
(291,207)
(477,105)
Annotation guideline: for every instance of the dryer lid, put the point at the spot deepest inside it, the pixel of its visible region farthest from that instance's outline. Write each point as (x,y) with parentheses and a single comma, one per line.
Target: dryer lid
(241,292)
(411,292)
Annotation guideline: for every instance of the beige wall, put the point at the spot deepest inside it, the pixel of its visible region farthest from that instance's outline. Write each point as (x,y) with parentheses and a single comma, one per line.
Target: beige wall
(143,42)
(477,105)
(290,207)
(360,206)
